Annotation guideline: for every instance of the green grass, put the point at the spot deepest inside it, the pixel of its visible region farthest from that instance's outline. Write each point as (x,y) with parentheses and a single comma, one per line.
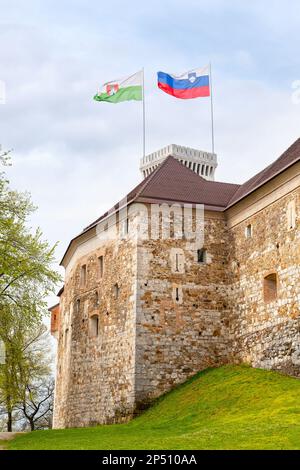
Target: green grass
(3,444)
(233,407)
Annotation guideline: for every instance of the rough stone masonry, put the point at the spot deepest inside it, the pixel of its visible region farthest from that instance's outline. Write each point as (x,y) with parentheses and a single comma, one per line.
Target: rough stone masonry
(146,304)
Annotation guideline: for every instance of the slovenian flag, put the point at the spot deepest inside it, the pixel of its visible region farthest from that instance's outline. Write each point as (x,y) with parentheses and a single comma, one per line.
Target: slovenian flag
(192,84)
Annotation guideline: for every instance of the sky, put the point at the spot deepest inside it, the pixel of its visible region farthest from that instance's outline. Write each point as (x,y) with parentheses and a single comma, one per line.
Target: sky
(78,157)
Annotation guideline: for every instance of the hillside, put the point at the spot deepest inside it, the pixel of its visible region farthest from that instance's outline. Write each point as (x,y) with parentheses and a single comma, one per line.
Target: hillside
(233,407)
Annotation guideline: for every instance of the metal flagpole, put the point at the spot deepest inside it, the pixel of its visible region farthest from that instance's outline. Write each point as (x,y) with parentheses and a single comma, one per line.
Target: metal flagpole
(212,111)
(144,133)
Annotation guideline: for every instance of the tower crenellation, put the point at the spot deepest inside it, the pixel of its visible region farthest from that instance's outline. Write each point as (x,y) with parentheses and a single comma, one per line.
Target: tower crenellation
(202,163)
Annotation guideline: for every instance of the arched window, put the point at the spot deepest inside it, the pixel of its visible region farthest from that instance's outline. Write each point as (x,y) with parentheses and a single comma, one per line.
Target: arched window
(94,326)
(270,287)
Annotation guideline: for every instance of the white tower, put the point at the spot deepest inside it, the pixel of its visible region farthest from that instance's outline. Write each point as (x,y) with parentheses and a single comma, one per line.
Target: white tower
(202,163)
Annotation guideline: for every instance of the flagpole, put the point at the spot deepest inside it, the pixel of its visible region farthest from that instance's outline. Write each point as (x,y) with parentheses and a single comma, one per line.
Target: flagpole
(212,111)
(144,132)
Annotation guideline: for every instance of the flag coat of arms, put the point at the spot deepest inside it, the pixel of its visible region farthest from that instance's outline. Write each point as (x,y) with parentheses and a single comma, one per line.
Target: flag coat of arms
(192,84)
(124,89)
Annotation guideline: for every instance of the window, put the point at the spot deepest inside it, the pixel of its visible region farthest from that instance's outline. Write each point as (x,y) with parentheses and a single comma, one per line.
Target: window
(248,231)
(177,295)
(96,299)
(177,262)
(291,215)
(77,305)
(101,265)
(94,326)
(270,287)
(202,255)
(116,291)
(83,275)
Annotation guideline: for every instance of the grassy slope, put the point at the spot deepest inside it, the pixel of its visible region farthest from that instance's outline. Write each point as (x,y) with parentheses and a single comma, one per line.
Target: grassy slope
(233,407)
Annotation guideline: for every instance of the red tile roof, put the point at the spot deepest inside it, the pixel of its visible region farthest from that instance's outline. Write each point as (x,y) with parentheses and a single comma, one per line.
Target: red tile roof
(288,158)
(172,181)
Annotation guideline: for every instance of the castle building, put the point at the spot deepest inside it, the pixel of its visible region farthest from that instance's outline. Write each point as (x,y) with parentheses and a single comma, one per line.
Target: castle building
(185,273)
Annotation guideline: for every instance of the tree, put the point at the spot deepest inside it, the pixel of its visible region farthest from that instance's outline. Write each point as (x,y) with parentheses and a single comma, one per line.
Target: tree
(26,278)
(28,377)
(26,273)
(37,406)
(35,380)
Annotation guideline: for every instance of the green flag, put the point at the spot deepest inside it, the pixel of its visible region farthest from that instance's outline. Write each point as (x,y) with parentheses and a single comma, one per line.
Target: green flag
(125,89)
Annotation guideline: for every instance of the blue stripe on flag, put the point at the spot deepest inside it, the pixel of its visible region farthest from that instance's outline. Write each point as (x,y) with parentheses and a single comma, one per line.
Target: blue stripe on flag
(182,83)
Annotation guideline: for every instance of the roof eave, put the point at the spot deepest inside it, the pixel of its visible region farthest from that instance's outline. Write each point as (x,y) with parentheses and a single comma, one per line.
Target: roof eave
(262,184)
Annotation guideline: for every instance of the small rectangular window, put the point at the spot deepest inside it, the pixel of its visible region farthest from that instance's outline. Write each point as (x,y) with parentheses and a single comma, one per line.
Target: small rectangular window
(83,275)
(248,231)
(94,326)
(202,255)
(177,262)
(270,287)
(101,265)
(116,291)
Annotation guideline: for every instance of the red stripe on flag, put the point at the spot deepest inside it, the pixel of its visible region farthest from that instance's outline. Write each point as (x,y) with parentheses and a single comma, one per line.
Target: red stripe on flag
(187,93)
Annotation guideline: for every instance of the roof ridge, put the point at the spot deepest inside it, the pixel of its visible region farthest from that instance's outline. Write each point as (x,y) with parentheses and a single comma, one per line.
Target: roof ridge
(151,176)
(161,165)
(260,175)
(135,196)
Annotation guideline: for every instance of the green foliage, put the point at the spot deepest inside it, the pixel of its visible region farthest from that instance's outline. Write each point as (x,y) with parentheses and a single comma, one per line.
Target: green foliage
(26,273)
(26,278)
(233,407)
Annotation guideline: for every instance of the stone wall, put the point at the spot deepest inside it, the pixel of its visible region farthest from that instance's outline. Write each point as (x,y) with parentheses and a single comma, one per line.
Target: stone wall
(170,315)
(182,310)
(95,373)
(267,334)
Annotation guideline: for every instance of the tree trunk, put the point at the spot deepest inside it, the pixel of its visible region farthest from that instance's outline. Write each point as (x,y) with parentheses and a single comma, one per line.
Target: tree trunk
(31,425)
(8,398)
(9,421)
